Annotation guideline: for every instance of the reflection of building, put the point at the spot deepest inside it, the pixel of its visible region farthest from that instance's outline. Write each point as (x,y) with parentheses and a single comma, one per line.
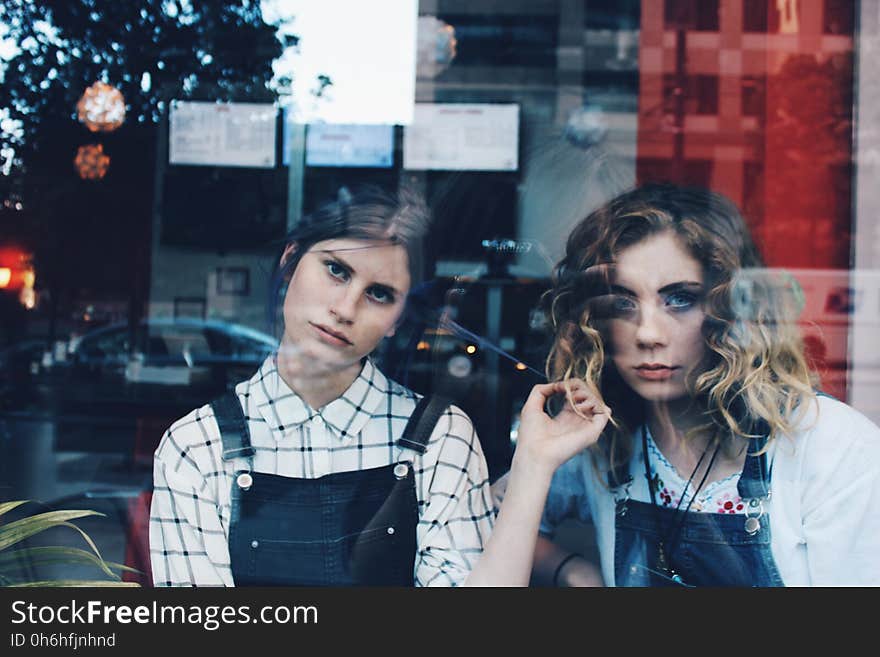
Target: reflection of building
(572,69)
(753,98)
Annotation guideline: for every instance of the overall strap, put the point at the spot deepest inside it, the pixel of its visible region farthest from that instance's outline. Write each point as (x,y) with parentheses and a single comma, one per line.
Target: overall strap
(755,479)
(233,427)
(422,422)
(619,475)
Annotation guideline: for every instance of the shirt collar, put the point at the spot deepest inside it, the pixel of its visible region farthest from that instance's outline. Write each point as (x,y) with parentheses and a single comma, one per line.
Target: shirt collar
(284,410)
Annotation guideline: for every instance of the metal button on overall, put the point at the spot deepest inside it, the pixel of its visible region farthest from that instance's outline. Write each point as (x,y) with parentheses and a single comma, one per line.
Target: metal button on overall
(244,480)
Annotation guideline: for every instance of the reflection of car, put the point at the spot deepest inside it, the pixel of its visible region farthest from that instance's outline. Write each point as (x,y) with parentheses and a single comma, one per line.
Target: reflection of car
(186,352)
(119,391)
(174,364)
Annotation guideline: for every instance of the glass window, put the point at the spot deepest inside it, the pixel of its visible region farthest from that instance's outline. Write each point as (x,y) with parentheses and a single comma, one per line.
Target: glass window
(178,186)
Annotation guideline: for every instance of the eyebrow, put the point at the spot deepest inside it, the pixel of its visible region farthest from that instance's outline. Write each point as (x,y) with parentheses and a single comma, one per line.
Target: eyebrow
(672,287)
(352,270)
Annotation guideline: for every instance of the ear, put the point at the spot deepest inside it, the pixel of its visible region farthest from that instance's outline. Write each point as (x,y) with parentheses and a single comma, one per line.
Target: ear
(289,250)
(391,331)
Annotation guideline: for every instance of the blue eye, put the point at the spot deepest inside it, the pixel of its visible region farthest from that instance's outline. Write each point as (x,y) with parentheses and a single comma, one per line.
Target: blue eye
(681,300)
(336,270)
(622,305)
(380,294)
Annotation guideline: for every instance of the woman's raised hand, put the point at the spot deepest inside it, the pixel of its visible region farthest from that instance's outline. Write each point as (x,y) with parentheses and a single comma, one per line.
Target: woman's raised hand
(548,442)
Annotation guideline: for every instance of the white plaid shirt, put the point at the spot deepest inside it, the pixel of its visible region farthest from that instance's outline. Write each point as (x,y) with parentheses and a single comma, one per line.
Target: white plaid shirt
(189,518)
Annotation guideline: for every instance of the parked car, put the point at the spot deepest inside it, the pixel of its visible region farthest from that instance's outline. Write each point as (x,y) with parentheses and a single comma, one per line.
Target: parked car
(120,391)
(166,352)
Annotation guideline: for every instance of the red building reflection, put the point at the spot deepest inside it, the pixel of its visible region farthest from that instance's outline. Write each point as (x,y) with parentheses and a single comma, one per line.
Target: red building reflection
(754,98)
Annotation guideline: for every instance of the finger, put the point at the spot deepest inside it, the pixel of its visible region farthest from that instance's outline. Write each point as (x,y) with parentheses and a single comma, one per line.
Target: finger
(584,394)
(591,404)
(592,408)
(577,390)
(581,396)
(540,394)
(576,385)
(599,420)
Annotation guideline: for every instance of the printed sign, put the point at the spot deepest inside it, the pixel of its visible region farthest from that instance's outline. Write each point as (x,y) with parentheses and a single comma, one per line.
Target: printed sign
(222,134)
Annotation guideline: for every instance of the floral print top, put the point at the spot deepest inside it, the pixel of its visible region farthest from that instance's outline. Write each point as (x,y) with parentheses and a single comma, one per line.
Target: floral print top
(669,486)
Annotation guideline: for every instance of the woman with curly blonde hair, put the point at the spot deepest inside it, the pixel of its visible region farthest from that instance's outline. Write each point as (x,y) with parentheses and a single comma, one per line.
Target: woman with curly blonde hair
(690,433)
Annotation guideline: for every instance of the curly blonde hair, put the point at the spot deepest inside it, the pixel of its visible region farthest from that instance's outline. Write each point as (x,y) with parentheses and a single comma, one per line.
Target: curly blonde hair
(755,374)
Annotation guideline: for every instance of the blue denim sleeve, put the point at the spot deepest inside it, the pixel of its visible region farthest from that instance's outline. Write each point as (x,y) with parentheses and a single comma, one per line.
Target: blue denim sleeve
(568,496)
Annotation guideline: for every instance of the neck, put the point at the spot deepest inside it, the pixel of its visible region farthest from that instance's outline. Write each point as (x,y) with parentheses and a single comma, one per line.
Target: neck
(670,422)
(317,385)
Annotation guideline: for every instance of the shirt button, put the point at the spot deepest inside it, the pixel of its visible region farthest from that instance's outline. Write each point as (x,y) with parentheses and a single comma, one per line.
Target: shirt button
(255,544)
(317,421)
(390,530)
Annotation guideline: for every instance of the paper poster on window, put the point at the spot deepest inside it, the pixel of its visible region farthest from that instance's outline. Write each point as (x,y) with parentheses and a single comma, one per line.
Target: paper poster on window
(222,134)
(349,145)
(459,137)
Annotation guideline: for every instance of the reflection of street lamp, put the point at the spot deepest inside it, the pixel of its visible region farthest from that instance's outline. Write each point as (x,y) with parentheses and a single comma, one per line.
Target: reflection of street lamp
(101,108)
(587,126)
(436,46)
(91,163)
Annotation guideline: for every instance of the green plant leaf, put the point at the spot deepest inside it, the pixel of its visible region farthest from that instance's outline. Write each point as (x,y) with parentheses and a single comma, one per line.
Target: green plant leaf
(9,506)
(92,545)
(26,527)
(75,582)
(43,556)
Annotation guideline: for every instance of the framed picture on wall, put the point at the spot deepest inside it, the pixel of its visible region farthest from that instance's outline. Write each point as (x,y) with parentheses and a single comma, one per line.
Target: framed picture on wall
(192,307)
(233,281)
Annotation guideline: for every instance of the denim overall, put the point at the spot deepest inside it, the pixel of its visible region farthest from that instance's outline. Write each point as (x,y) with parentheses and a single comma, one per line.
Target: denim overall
(342,529)
(711,549)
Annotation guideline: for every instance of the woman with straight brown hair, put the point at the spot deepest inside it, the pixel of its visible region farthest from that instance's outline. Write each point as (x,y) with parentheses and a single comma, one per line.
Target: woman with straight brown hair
(319,470)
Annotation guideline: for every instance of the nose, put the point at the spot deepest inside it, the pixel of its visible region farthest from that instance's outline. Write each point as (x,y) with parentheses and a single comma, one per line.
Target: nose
(651,332)
(343,306)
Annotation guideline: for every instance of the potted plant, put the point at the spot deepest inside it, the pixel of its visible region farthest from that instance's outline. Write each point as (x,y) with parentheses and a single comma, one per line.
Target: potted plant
(14,552)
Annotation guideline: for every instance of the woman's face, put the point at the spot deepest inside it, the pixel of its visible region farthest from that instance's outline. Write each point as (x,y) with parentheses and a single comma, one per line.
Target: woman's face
(656,326)
(344,297)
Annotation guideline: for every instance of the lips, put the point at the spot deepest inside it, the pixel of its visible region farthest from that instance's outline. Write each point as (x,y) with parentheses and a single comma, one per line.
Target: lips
(328,335)
(655,371)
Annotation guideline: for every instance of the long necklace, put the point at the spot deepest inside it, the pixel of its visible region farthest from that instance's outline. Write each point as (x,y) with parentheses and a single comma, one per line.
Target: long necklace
(664,554)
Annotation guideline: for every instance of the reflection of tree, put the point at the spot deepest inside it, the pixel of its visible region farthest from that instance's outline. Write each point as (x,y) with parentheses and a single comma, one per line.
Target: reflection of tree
(97,234)
(148,49)
(808,155)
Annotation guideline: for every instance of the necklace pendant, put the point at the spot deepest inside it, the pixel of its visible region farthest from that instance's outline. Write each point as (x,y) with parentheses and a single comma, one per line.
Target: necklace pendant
(665,569)
(661,559)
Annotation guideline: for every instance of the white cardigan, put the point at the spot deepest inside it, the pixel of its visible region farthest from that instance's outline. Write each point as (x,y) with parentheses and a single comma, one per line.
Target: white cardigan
(824,507)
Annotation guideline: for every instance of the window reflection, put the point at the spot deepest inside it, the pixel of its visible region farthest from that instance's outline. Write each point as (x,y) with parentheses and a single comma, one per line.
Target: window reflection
(133,286)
